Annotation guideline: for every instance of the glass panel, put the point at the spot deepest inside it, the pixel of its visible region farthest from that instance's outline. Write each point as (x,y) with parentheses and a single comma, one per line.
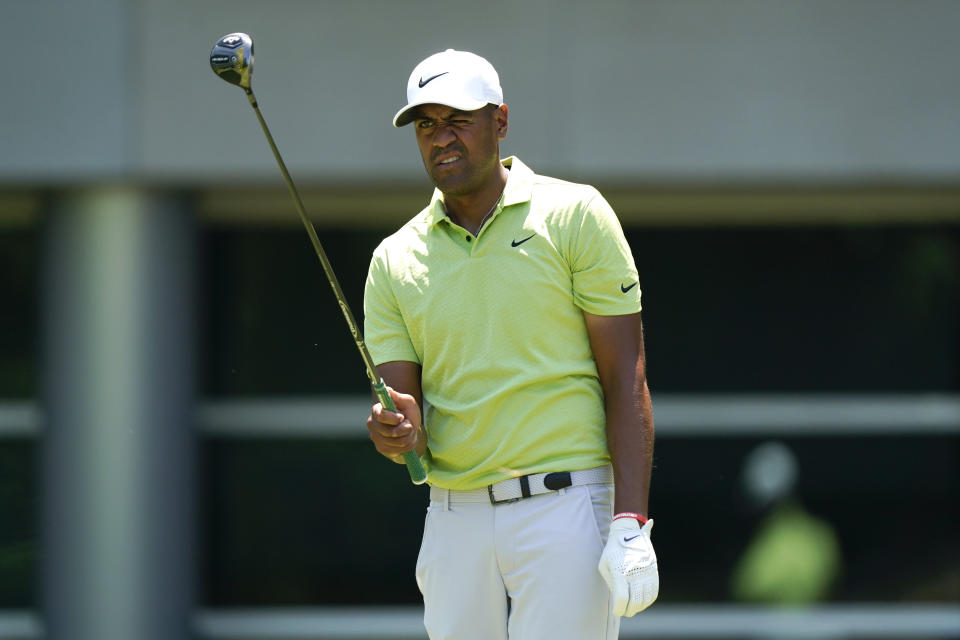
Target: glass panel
(310,522)
(19,523)
(19,306)
(838,309)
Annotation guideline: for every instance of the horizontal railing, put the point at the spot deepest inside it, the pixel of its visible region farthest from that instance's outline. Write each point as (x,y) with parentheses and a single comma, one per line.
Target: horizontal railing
(688,415)
(848,621)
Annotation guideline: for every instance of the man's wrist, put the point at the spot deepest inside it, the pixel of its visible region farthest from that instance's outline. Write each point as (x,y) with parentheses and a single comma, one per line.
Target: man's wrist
(630,514)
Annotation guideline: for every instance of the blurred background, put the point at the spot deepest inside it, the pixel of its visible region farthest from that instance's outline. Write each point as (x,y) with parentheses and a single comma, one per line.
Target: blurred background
(182,449)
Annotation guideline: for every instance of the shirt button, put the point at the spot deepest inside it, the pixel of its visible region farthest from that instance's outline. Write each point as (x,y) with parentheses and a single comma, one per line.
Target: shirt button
(469,238)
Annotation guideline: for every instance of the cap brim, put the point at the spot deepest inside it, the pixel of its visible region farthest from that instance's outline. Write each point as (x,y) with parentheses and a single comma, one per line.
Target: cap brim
(406,115)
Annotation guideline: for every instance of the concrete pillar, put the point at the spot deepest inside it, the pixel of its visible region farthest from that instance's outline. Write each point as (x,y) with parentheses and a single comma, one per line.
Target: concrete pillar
(118,388)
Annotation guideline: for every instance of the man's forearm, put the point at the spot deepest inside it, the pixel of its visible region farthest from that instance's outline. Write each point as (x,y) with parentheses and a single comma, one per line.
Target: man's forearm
(630,437)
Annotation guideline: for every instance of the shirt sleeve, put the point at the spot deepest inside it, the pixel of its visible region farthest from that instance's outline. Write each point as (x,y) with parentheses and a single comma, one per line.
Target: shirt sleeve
(384,328)
(605,280)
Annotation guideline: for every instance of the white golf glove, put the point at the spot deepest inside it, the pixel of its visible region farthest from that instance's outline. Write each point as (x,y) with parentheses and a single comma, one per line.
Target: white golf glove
(629,566)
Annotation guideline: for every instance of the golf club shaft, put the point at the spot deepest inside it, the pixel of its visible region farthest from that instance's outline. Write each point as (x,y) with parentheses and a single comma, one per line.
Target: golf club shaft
(414,467)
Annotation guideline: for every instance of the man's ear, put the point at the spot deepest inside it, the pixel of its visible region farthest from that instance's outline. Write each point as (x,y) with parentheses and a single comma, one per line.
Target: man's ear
(500,115)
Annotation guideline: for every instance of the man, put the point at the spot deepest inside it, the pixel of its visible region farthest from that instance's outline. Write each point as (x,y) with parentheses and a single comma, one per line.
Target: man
(510,309)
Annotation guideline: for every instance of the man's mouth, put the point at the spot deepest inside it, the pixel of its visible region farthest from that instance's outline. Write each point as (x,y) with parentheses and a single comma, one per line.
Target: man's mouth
(448,159)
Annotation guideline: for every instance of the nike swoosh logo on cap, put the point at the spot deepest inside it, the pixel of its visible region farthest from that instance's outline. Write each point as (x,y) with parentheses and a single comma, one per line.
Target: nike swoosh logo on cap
(424,83)
(625,289)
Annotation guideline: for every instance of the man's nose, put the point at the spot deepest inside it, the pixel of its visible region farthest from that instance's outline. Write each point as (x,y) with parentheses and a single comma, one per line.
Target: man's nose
(444,135)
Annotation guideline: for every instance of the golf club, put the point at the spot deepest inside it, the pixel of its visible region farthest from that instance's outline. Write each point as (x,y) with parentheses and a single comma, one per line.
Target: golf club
(232,59)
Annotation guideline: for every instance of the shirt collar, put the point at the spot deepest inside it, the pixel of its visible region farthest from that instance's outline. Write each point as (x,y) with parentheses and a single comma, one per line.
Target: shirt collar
(518,189)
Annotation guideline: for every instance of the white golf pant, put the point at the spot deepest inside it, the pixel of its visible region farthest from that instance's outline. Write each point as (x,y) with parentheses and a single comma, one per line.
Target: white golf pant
(524,570)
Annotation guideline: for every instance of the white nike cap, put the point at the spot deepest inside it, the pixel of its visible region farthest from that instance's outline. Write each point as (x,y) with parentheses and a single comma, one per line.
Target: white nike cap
(457,79)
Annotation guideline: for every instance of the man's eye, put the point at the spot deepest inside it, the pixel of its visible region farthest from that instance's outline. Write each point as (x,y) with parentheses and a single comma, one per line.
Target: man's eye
(424,124)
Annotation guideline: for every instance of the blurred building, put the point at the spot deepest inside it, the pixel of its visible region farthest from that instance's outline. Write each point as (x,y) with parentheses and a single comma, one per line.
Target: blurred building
(181,407)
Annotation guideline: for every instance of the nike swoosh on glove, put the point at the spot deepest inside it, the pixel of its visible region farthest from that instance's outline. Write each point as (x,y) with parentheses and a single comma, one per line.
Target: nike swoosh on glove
(629,566)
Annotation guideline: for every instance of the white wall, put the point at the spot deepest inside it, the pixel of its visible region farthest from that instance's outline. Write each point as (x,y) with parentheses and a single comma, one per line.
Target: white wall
(628,89)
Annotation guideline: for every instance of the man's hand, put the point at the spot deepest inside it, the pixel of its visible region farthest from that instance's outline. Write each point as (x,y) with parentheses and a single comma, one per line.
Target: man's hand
(394,433)
(629,566)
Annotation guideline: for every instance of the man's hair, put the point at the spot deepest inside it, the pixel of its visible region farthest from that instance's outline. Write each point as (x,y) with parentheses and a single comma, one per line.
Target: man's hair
(490,108)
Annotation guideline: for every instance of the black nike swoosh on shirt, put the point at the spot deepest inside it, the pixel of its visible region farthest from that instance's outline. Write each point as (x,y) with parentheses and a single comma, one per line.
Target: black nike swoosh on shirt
(424,83)
(625,289)
(517,243)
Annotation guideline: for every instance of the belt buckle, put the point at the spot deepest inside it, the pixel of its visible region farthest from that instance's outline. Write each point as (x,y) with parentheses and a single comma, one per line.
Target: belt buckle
(493,498)
(524,491)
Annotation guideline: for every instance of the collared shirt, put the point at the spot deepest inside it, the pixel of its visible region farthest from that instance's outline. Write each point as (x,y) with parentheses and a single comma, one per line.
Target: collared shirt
(496,322)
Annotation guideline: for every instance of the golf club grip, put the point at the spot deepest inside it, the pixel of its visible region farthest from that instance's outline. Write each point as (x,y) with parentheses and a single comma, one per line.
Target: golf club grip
(417,473)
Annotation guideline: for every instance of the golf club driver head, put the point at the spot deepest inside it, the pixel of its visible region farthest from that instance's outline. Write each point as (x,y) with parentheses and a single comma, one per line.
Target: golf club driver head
(232,59)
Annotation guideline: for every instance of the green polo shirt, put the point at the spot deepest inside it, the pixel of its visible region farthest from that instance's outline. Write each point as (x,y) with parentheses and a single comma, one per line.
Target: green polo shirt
(496,322)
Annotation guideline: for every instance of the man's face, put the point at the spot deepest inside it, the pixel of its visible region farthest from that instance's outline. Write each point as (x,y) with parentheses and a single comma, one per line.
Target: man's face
(460,149)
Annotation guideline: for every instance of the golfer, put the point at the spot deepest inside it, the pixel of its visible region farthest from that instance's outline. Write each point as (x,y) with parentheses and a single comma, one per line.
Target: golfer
(505,318)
